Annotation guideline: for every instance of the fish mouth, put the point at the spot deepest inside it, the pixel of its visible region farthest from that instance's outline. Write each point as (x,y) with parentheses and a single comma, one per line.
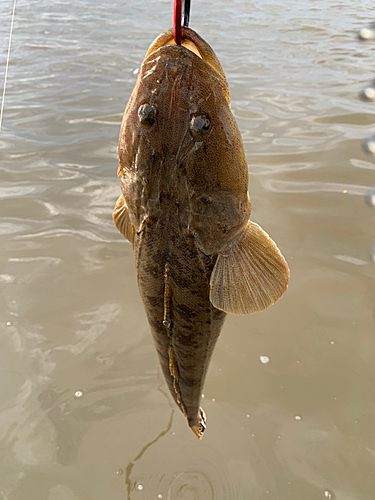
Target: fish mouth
(188,40)
(195,44)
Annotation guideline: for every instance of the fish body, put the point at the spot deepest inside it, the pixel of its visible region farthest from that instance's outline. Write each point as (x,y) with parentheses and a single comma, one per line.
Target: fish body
(185,207)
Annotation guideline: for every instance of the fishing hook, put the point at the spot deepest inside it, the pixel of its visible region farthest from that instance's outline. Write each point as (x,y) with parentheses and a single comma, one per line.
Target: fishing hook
(177,18)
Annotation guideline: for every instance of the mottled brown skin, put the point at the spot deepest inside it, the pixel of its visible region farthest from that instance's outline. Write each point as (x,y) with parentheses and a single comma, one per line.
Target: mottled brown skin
(186,197)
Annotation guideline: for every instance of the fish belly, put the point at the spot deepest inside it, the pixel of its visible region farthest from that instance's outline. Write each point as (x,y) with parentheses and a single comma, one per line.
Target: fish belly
(174,281)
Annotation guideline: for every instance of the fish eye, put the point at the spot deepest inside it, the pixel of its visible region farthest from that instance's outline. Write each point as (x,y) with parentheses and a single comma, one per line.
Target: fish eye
(200,125)
(146,115)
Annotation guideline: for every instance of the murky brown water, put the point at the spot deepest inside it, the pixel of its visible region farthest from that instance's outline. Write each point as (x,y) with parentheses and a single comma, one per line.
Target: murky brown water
(290,395)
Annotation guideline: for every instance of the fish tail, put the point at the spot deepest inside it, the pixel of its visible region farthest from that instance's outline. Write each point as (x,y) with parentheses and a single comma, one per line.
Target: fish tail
(198,422)
(199,426)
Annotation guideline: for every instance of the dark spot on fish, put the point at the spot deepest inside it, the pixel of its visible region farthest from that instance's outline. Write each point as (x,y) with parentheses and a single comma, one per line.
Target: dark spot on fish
(146,115)
(199,126)
(186,311)
(204,199)
(153,301)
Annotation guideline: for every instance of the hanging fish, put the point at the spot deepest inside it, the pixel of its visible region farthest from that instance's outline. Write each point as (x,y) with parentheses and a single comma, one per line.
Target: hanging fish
(185,208)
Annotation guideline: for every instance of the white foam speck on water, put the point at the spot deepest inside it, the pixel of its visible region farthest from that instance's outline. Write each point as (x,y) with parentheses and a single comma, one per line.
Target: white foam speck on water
(369,92)
(370,197)
(264,359)
(366,34)
(6,278)
(369,145)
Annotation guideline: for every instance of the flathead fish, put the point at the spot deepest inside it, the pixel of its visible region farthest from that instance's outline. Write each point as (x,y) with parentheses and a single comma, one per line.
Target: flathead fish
(185,208)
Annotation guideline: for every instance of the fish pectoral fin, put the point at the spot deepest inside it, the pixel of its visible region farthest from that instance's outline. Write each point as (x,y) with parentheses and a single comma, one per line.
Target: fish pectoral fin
(250,274)
(121,219)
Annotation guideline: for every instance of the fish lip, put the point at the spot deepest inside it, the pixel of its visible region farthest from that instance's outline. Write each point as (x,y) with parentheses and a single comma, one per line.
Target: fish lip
(166,39)
(207,55)
(175,50)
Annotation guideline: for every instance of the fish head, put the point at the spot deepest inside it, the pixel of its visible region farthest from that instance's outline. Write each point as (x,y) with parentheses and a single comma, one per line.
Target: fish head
(178,129)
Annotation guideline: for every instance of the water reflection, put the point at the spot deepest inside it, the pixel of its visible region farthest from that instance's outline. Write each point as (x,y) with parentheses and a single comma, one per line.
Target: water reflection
(131,485)
(218,470)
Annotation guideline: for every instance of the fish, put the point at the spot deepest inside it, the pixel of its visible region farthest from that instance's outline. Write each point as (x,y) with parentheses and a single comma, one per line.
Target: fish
(185,207)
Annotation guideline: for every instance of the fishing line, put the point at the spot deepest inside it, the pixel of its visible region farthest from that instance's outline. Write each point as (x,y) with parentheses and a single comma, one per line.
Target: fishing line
(7,64)
(186,13)
(177,13)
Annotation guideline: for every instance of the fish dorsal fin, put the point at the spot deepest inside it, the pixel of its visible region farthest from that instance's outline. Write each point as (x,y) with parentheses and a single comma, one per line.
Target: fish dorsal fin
(121,219)
(250,273)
